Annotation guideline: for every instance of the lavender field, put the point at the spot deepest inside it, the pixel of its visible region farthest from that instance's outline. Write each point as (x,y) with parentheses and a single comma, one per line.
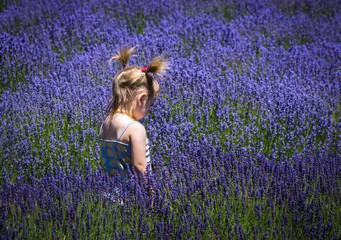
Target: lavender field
(245,137)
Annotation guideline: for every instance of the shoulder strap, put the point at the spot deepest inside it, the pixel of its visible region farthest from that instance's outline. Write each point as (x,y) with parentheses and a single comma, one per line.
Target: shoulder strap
(100,131)
(118,139)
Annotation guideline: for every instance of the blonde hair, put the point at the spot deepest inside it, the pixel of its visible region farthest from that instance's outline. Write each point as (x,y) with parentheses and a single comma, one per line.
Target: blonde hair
(130,80)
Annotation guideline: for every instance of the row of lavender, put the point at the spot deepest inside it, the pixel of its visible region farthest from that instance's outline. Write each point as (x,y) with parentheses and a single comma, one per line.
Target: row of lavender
(245,135)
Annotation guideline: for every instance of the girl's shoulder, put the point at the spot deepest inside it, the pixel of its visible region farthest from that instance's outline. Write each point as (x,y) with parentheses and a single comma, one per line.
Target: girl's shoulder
(137,129)
(134,134)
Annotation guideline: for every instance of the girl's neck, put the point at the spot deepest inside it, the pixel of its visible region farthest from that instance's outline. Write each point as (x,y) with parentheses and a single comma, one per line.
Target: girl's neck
(127,113)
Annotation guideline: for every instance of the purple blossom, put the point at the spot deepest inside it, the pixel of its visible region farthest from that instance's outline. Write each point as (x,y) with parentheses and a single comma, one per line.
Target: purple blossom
(248,121)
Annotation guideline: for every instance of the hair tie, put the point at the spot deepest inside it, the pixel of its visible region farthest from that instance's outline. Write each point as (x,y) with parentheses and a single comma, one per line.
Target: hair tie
(144,69)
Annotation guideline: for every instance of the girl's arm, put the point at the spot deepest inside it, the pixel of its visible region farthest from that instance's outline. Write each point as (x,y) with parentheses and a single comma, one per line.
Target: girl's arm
(138,155)
(138,149)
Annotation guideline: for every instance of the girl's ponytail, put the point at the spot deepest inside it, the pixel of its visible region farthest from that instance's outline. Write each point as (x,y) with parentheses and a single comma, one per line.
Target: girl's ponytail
(124,55)
(158,67)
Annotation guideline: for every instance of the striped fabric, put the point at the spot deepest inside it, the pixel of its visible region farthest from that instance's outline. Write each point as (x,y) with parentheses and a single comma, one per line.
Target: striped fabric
(147,152)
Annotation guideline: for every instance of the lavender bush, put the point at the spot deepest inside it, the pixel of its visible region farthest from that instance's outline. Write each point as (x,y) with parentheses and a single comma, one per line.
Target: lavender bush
(245,137)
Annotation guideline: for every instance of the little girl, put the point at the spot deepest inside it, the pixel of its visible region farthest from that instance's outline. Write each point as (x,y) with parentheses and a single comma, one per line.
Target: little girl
(124,144)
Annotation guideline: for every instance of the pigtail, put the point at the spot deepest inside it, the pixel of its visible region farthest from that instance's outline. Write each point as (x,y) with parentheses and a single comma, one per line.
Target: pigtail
(158,66)
(124,55)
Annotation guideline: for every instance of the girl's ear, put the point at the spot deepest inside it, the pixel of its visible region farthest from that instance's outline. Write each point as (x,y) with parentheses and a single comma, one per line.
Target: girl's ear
(140,97)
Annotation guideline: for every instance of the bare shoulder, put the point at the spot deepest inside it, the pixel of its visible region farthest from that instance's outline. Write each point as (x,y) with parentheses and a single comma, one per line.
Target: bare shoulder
(137,131)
